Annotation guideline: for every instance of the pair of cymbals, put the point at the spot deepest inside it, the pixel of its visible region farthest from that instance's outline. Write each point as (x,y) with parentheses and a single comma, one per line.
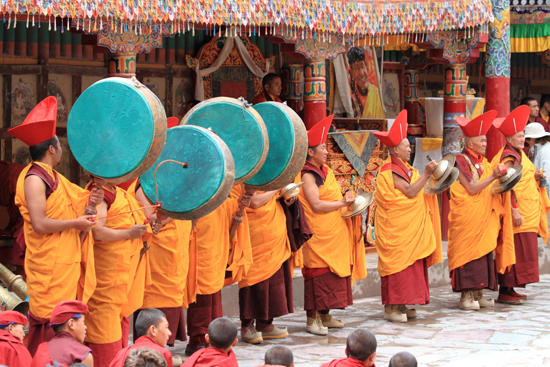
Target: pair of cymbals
(359,205)
(443,177)
(508,181)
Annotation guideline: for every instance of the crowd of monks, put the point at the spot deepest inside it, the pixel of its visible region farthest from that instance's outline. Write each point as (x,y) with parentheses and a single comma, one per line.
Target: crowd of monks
(94,255)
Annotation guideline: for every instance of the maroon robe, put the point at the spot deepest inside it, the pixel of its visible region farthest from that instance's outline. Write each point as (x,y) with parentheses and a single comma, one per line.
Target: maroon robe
(12,351)
(408,287)
(9,173)
(346,362)
(210,357)
(200,314)
(63,348)
(143,342)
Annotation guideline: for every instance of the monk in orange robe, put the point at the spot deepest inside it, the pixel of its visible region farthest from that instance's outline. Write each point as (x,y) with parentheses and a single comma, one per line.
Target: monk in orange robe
(265,292)
(529,204)
(271,89)
(170,262)
(58,260)
(219,257)
(475,220)
(408,232)
(335,255)
(12,332)
(122,271)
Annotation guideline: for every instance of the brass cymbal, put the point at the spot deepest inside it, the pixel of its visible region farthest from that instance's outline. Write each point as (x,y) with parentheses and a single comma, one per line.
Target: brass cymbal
(443,185)
(359,205)
(289,191)
(508,181)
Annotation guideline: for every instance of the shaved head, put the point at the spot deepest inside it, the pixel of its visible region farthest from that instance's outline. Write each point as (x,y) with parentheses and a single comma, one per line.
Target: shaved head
(361,344)
(279,355)
(222,333)
(403,359)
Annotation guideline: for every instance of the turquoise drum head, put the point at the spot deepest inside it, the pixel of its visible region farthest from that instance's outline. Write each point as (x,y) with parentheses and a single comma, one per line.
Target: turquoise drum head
(116,129)
(240,127)
(287,147)
(192,192)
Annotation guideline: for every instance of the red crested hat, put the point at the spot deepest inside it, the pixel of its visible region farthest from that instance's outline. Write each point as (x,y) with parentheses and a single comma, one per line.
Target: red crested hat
(397,133)
(66,310)
(39,126)
(318,133)
(172,121)
(514,122)
(478,126)
(12,317)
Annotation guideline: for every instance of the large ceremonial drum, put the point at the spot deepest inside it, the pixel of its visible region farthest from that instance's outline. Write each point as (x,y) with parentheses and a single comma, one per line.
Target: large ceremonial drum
(287,147)
(239,126)
(195,191)
(116,129)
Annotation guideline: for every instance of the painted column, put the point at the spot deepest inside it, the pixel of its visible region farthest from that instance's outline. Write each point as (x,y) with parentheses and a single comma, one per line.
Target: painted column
(497,71)
(454,105)
(122,64)
(292,86)
(315,97)
(414,113)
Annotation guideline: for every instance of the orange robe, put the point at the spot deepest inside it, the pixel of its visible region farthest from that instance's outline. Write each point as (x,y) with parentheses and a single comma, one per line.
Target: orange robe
(216,251)
(59,266)
(336,242)
(475,223)
(407,230)
(121,276)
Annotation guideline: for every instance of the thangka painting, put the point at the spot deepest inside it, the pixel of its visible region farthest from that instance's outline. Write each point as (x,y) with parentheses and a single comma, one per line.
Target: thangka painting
(23,98)
(60,88)
(392,100)
(158,87)
(183,93)
(364,81)
(20,152)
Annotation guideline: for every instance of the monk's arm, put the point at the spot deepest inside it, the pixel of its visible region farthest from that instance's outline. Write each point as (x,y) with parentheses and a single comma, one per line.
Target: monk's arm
(259,200)
(474,188)
(88,360)
(311,191)
(102,233)
(407,189)
(140,196)
(35,195)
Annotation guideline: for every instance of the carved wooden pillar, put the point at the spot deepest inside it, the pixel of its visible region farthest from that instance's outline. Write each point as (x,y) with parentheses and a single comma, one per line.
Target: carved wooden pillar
(454,97)
(414,114)
(315,97)
(292,86)
(122,64)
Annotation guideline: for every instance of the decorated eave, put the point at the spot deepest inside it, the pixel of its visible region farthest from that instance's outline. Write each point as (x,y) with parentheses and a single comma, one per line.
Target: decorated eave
(351,19)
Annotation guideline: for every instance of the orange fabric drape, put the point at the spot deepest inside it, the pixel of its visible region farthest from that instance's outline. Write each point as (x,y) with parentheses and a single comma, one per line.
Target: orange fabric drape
(406,229)
(269,241)
(335,242)
(533,203)
(475,223)
(121,276)
(59,267)
(215,251)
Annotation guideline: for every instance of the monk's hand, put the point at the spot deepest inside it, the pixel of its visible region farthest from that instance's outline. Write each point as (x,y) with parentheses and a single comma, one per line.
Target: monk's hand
(539,174)
(497,172)
(290,201)
(517,220)
(84,223)
(348,199)
(137,231)
(96,195)
(156,226)
(244,201)
(430,167)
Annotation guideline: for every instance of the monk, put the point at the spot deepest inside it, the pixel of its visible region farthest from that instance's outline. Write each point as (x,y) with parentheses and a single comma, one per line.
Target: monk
(529,204)
(9,173)
(408,235)
(145,357)
(66,346)
(152,332)
(122,270)
(12,332)
(475,220)
(169,260)
(265,291)
(271,89)
(222,337)
(403,359)
(58,260)
(217,254)
(279,355)
(360,350)
(335,255)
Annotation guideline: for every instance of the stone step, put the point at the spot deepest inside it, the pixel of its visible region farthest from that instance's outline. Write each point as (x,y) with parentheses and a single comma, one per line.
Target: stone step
(370,286)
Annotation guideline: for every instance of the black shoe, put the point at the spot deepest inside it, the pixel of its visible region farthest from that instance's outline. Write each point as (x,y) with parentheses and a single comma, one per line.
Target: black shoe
(190,349)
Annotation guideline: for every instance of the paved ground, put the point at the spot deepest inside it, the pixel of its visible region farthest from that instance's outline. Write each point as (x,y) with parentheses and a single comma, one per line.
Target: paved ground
(442,335)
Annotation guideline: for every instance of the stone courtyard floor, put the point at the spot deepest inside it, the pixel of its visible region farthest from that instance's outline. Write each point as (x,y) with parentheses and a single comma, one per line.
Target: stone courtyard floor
(442,335)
